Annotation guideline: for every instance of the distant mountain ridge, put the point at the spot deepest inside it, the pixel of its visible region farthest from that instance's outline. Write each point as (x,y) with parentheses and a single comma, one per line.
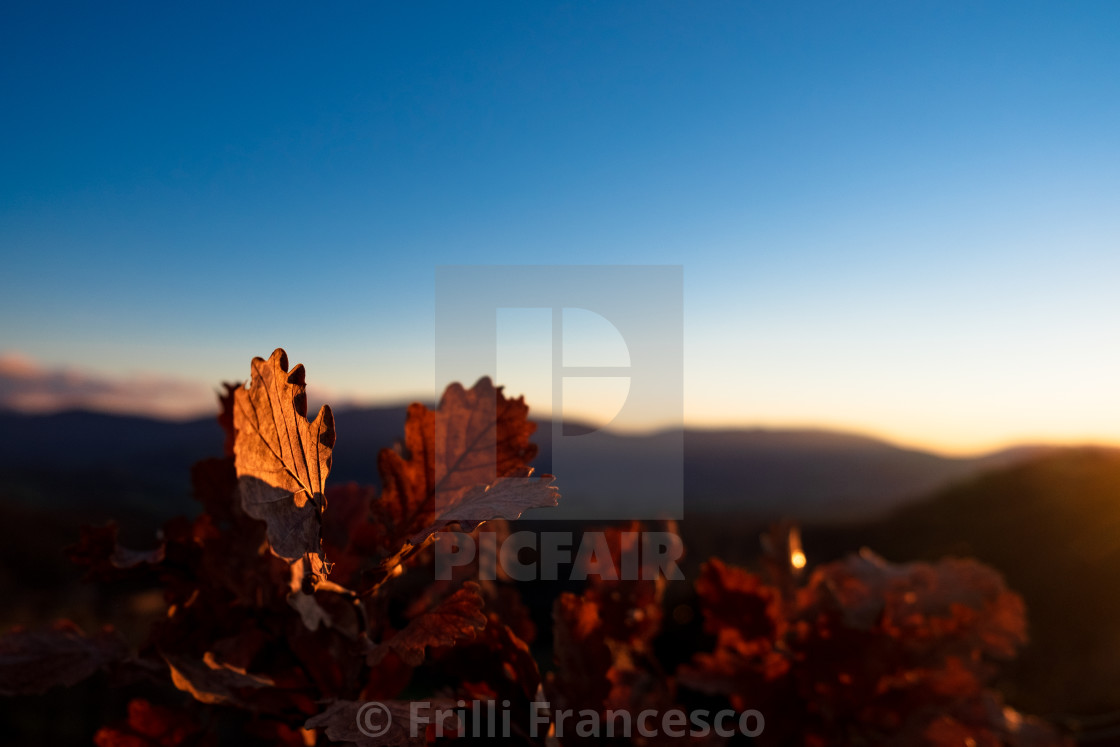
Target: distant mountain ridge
(820,474)
(87,457)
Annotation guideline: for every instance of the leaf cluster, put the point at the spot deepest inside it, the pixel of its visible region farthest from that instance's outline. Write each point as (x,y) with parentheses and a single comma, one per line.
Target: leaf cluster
(290,603)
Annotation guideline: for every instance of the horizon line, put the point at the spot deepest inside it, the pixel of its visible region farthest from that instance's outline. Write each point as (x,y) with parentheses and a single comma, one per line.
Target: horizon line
(870,434)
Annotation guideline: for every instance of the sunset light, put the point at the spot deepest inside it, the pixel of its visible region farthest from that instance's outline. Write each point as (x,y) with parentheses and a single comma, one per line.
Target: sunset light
(382,373)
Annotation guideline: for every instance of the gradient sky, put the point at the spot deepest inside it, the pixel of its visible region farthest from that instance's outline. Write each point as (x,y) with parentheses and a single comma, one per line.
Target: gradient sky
(897,218)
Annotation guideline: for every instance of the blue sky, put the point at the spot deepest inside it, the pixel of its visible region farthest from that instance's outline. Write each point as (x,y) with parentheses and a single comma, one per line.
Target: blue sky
(904,220)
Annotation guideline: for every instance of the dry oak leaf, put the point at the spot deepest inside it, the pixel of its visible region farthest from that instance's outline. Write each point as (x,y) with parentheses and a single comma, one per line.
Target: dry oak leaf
(474,437)
(212,681)
(480,435)
(97,548)
(457,618)
(32,662)
(954,597)
(629,601)
(344,721)
(449,469)
(745,616)
(308,575)
(505,498)
(497,665)
(149,726)
(282,459)
(581,654)
(734,599)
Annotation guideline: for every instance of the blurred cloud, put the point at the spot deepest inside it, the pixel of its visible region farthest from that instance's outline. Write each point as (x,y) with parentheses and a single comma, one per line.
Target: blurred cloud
(30,387)
(27,386)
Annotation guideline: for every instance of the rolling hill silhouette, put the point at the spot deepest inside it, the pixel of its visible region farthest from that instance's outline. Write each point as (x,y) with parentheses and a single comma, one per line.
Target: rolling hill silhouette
(93,460)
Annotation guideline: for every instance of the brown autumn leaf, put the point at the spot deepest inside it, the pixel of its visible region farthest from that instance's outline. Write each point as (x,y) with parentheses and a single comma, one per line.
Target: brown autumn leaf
(97,548)
(457,618)
(745,616)
(212,681)
(343,721)
(474,437)
(629,603)
(505,498)
(480,435)
(912,601)
(282,459)
(734,599)
(311,613)
(149,726)
(408,474)
(225,414)
(308,575)
(466,462)
(581,654)
(497,663)
(32,662)
(636,688)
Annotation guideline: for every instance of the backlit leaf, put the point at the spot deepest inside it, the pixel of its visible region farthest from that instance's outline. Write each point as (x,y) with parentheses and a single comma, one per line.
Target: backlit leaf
(282,458)
(457,618)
